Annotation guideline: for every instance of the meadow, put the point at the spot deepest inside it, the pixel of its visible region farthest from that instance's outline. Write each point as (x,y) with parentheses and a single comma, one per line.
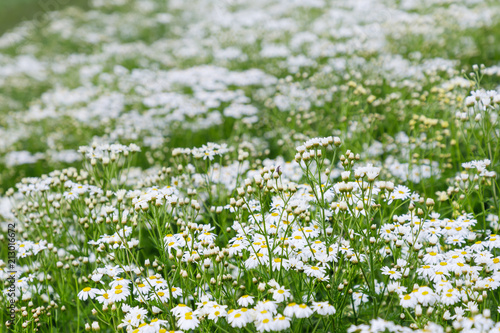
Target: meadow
(250,166)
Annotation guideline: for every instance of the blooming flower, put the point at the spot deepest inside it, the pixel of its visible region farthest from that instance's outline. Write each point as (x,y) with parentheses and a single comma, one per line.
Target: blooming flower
(408,301)
(187,321)
(245,300)
(393,274)
(323,308)
(88,292)
(281,294)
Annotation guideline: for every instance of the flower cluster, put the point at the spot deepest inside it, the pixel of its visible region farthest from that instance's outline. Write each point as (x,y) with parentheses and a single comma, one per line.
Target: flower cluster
(261,165)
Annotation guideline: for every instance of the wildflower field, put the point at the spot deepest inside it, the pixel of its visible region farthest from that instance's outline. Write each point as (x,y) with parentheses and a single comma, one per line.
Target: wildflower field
(251,166)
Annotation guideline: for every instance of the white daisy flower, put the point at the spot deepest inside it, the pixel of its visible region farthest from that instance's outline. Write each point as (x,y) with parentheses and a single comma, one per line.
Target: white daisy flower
(88,292)
(245,300)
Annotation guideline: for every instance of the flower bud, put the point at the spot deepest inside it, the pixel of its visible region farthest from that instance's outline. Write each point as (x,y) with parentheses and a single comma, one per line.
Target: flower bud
(95,326)
(418,310)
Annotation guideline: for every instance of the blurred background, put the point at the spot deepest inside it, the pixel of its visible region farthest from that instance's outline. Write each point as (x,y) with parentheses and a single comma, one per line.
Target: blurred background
(15,11)
(179,73)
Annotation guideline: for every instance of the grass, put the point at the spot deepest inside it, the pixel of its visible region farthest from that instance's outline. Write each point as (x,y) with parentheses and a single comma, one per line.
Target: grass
(14,11)
(392,190)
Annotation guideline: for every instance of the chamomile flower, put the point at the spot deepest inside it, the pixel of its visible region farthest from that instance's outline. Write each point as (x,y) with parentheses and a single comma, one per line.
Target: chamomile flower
(111,271)
(176,292)
(450,296)
(281,294)
(323,308)
(392,273)
(256,259)
(266,305)
(70,196)
(432,257)
(238,318)
(104,298)
(217,311)
(263,313)
(119,281)
(207,237)
(187,321)
(88,292)
(408,300)
(290,309)
(426,271)
(180,309)
(396,287)
(158,324)
(359,298)
(315,271)
(264,324)
(118,293)
(281,323)
(303,311)
(142,288)
(161,296)
(135,317)
(426,296)
(245,300)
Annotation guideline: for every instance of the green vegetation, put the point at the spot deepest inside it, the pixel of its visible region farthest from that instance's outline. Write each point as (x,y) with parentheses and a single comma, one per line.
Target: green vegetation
(263,165)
